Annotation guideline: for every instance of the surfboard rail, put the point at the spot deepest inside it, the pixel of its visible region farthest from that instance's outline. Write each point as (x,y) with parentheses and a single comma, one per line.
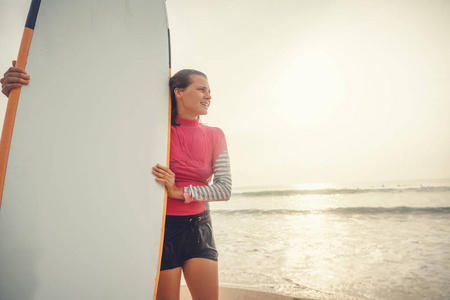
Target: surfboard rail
(13,99)
(167,164)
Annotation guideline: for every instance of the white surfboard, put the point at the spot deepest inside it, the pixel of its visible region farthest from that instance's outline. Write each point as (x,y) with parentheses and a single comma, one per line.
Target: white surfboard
(81,214)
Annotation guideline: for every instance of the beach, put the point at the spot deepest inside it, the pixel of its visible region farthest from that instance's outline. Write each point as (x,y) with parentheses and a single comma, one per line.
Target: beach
(227,293)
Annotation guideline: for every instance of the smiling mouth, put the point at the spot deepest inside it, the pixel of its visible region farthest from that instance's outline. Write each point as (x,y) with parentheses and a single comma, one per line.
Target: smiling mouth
(205,104)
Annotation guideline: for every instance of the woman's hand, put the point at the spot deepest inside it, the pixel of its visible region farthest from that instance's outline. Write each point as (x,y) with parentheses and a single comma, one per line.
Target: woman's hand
(13,78)
(167,177)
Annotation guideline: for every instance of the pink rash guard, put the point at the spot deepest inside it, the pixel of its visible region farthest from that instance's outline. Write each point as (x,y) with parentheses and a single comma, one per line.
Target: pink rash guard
(197,152)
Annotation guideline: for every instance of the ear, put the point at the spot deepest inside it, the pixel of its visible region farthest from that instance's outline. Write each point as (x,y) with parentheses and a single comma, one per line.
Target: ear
(177,91)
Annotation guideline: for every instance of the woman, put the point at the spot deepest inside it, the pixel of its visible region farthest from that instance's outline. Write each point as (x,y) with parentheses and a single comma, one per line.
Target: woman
(197,153)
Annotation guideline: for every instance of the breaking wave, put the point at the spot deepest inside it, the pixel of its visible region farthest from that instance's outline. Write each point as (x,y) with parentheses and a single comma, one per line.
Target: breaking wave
(401,210)
(441,189)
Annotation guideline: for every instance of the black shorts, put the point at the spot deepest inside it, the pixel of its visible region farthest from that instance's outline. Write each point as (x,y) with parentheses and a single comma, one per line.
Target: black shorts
(187,237)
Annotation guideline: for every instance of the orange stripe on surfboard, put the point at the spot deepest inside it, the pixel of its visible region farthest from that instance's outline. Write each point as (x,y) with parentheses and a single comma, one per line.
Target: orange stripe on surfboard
(11,109)
(161,244)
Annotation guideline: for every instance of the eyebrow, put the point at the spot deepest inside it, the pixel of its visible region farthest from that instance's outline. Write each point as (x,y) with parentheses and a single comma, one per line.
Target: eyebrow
(204,87)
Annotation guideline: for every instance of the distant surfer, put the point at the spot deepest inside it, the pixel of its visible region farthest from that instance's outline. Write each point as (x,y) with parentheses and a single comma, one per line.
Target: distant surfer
(198,153)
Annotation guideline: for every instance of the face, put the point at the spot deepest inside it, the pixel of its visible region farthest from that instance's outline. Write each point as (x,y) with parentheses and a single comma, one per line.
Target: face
(194,100)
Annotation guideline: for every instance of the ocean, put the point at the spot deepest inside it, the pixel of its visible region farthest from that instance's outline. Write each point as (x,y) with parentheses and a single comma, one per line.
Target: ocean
(387,240)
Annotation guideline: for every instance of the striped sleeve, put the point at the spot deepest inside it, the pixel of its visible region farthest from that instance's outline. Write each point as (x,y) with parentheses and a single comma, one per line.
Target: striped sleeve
(220,190)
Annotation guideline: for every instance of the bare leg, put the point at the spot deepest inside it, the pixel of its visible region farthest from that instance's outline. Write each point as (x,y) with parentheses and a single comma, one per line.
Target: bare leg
(169,284)
(202,278)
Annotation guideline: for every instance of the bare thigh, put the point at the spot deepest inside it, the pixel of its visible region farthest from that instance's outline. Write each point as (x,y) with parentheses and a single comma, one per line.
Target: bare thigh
(169,284)
(202,278)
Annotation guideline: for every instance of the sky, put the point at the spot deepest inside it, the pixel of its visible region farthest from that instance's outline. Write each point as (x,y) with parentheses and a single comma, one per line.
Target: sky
(312,91)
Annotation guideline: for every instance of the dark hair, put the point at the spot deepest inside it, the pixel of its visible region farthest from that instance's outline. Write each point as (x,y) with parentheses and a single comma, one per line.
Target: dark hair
(181,80)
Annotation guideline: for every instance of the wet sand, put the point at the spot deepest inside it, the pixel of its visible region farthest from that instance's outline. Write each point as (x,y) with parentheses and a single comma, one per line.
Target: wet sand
(227,293)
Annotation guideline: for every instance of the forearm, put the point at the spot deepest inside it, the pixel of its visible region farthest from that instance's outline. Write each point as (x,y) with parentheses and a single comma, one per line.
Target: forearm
(220,190)
(214,192)
(176,193)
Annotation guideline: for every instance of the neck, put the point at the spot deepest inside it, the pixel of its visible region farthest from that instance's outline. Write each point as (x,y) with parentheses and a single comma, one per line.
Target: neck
(188,116)
(187,122)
